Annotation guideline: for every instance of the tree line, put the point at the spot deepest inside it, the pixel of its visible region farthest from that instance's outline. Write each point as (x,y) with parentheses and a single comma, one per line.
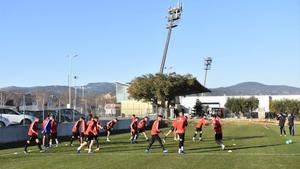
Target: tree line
(242,105)
(285,106)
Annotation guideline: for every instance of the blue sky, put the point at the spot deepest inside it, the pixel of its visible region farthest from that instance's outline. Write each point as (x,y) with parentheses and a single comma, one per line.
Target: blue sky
(250,40)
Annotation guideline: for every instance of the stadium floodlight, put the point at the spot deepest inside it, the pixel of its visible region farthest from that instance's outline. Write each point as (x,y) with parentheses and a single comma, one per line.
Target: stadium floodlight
(174,14)
(207,66)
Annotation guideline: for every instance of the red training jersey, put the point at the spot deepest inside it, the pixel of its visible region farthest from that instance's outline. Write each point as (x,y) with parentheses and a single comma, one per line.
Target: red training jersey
(217,125)
(155,128)
(90,130)
(76,127)
(201,123)
(33,129)
(142,124)
(53,126)
(134,124)
(83,126)
(110,124)
(180,124)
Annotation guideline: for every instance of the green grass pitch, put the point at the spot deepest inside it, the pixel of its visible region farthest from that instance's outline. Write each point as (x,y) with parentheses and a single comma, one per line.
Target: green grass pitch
(252,145)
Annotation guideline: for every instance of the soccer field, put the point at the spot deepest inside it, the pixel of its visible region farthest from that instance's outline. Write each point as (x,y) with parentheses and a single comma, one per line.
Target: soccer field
(252,145)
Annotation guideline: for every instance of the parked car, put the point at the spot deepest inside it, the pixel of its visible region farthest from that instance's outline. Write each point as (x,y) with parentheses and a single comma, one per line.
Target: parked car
(15,118)
(3,121)
(62,115)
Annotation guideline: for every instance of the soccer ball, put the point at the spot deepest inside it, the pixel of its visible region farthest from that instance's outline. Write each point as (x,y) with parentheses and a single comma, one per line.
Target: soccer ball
(290,141)
(287,142)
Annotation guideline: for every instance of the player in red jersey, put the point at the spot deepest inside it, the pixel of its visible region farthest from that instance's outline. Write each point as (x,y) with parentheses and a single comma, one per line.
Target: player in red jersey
(142,127)
(83,127)
(53,132)
(155,135)
(109,126)
(97,132)
(199,128)
(134,129)
(76,130)
(172,129)
(216,123)
(90,135)
(181,123)
(33,136)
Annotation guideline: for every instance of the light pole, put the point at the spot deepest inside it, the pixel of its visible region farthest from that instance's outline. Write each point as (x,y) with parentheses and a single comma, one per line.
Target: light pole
(71,57)
(75,93)
(207,66)
(174,14)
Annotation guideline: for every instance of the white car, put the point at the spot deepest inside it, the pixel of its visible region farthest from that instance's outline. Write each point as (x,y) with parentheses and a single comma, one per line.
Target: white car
(15,118)
(3,122)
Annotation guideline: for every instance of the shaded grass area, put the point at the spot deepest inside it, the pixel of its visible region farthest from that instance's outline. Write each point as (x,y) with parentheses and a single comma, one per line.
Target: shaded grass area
(252,145)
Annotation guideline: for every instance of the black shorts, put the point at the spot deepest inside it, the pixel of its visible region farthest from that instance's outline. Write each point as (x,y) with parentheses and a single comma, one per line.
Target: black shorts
(82,135)
(89,138)
(75,134)
(32,138)
(199,129)
(218,136)
(53,135)
(181,136)
(141,130)
(108,129)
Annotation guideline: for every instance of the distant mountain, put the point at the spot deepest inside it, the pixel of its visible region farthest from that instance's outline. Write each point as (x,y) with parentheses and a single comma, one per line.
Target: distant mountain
(90,89)
(254,88)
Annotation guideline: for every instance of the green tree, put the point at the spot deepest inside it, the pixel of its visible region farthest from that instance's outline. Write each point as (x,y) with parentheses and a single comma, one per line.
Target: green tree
(198,108)
(161,88)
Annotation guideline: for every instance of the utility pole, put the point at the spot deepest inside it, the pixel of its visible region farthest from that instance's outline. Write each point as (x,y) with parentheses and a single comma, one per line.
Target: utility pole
(75,93)
(174,14)
(70,77)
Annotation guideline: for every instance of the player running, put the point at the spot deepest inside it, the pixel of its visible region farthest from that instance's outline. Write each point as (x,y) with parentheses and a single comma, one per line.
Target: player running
(53,132)
(142,127)
(76,130)
(97,132)
(155,135)
(46,130)
(134,129)
(83,127)
(216,123)
(109,126)
(201,123)
(180,124)
(33,136)
(90,135)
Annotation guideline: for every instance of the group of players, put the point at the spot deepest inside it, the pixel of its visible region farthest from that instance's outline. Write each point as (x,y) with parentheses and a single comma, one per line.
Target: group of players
(87,132)
(281,117)
(49,131)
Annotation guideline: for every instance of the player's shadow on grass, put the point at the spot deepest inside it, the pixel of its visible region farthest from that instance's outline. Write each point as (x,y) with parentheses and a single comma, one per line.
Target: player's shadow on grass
(217,148)
(242,138)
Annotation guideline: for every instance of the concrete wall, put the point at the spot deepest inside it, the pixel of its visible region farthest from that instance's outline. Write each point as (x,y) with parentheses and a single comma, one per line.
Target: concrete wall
(12,134)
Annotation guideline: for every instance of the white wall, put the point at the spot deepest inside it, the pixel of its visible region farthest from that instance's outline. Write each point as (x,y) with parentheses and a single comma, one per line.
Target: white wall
(189,101)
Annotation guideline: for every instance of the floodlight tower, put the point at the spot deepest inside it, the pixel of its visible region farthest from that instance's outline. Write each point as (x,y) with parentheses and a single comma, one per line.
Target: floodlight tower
(207,66)
(174,14)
